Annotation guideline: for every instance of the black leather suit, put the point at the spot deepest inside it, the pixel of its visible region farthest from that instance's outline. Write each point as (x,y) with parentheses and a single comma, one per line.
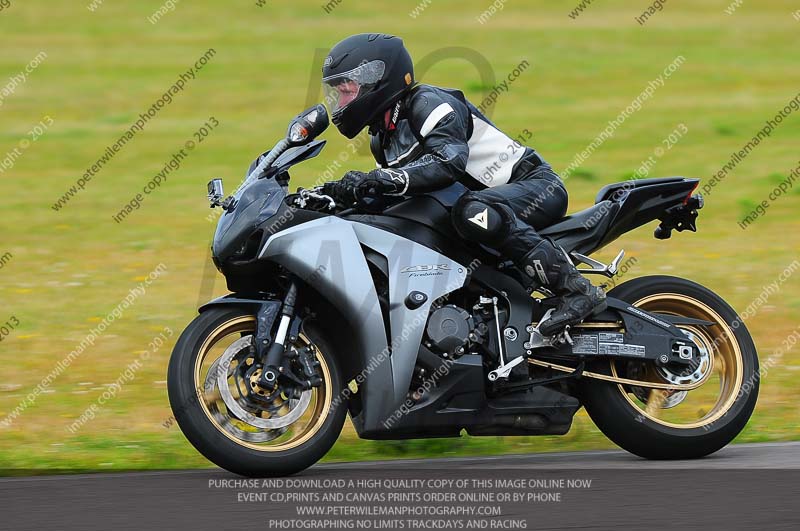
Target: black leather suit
(435,137)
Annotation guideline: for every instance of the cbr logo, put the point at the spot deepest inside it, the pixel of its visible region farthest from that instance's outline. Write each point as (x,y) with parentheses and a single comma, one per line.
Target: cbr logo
(328,61)
(423,268)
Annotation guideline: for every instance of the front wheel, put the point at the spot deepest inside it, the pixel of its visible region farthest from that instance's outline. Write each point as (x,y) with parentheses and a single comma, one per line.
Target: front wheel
(659,424)
(248,430)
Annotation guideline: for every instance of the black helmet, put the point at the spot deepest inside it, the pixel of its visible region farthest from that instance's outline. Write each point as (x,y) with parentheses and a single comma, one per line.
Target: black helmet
(363,76)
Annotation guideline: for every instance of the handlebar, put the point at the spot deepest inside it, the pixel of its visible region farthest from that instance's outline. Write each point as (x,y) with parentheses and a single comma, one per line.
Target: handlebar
(368,203)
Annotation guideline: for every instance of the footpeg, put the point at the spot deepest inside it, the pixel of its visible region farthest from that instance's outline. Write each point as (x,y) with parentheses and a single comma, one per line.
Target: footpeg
(537,340)
(599,268)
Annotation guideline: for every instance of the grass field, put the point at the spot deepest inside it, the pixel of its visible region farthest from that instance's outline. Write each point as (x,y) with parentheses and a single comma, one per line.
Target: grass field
(63,271)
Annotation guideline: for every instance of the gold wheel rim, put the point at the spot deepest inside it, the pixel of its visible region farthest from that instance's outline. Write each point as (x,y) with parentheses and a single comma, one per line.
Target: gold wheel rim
(322,395)
(726,358)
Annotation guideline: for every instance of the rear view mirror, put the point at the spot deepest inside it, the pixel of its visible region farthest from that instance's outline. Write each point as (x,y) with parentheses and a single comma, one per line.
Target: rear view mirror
(308,125)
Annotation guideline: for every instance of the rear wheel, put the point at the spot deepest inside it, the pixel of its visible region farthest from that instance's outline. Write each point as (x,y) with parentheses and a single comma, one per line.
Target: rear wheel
(661,424)
(248,430)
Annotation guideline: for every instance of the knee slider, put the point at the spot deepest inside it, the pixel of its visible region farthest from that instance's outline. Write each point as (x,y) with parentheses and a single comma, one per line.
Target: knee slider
(480,221)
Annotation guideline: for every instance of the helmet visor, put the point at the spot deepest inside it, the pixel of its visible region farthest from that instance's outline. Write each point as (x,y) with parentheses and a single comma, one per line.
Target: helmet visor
(345,88)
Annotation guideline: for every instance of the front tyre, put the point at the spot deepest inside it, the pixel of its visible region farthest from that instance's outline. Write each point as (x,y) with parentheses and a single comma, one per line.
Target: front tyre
(659,424)
(238,426)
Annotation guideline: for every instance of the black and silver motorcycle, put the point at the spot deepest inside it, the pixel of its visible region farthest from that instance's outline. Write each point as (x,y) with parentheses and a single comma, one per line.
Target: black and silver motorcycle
(382,311)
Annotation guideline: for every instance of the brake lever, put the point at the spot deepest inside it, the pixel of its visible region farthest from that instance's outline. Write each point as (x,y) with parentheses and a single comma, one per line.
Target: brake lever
(306,194)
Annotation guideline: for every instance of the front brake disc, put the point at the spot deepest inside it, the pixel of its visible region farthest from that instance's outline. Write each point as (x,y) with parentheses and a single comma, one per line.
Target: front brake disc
(297,406)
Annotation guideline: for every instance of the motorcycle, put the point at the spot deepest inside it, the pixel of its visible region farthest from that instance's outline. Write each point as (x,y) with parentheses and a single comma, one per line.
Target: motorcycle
(381,311)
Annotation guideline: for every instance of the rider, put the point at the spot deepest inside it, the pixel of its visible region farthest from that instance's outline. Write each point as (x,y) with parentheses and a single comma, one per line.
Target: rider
(425,138)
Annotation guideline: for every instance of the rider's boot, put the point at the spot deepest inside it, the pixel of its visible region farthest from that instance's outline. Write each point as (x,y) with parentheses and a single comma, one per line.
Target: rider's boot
(549,266)
(498,225)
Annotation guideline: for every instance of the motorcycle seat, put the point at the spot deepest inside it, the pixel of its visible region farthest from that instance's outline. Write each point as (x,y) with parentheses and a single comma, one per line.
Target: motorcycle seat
(583,220)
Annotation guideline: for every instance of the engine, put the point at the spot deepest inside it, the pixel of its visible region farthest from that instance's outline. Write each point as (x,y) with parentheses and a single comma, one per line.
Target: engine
(449,331)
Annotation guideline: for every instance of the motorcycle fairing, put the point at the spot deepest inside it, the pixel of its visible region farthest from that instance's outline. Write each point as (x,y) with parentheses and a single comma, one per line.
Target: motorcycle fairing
(330,251)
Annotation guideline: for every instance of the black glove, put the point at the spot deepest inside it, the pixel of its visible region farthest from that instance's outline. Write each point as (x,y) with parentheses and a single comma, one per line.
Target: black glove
(383,182)
(343,191)
(356,184)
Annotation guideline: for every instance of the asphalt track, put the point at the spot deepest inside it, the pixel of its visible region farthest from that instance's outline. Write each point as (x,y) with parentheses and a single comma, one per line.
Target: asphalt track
(752,486)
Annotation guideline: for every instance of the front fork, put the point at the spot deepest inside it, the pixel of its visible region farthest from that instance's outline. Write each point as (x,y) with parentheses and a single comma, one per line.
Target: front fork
(271,359)
(273,353)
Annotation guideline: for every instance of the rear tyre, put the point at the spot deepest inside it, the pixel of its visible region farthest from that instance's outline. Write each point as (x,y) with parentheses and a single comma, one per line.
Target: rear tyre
(686,424)
(218,432)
